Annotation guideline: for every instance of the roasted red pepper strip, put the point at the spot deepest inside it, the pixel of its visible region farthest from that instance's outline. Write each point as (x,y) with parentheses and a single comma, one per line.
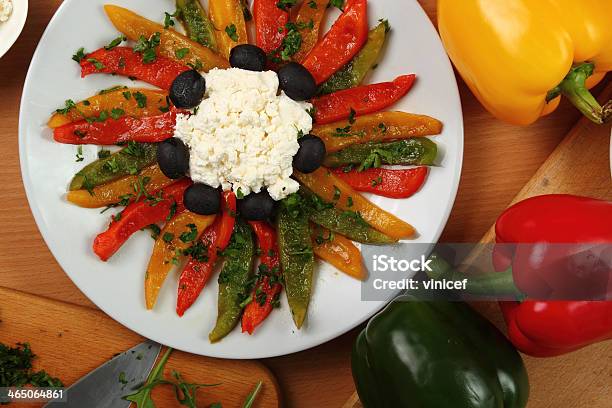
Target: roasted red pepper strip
(270,23)
(139,215)
(124,129)
(385,182)
(551,328)
(341,43)
(362,99)
(196,274)
(268,286)
(127,62)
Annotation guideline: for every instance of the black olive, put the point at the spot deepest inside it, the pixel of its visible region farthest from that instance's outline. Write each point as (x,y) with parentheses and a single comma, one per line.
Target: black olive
(311,154)
(297,82)
(187,90)
(249,57)
(257,206)
(202,199)
(173,158)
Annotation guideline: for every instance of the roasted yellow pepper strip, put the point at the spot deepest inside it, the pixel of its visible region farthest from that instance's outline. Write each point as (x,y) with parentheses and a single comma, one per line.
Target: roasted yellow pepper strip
(309,11)
(515,55)
(180,233)
(122,98)
(377,127)
(332,189)
(126,188)
(134,26)
(230,28)
(338,251)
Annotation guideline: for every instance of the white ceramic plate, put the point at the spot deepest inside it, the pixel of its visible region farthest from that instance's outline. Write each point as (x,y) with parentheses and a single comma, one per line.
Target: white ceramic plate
(117,286)
(10,29)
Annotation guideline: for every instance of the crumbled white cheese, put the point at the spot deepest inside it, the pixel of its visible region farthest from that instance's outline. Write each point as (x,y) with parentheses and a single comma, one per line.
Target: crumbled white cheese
(244,134)
(6,8)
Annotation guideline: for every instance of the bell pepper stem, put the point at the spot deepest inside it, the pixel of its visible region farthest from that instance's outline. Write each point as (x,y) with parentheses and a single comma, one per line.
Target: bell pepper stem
(573,87)
(497,284)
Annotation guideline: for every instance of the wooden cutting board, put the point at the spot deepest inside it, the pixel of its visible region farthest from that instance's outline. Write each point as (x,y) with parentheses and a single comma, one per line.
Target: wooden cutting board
(580,165)
(56,330)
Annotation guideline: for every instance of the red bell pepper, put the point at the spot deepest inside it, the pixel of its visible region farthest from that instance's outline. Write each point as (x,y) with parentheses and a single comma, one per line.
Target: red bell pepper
(127,62)
(268,286)
(341,43)
(550,328)
(124,129)
(362,99)
(270,21)
(139,215)
(196,273)
(385,182)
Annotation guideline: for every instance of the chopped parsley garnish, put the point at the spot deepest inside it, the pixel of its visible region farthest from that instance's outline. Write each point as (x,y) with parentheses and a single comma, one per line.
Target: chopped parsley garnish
(155,230)
(291,43)
(347,131)
(116,113)
(86,103)
(16,368)
(111,89)
(382,127)
(181,53)
(231,32)
(168,19)
(115,42)
(168,237)
(79,154)
(312,4)
(172,212)
(79,55)
(385,22)
(239,194)
(336,3)
(337,193)
(111,165)
(122,379)
(141,99)
(127,95)
(286,4)
(134,149)
(147,47)
(349,202)
(351,118)
(103,154)
(190,235)
(376,181)
(99,66)
(69,104)
(79,133)
(197,66)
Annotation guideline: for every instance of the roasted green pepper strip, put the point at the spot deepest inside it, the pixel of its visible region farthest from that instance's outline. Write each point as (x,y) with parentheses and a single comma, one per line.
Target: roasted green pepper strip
(196,23)
(456,359)
(234,280)
(415,151)
(355,71)
(296,255)
(347,223)
(128,161)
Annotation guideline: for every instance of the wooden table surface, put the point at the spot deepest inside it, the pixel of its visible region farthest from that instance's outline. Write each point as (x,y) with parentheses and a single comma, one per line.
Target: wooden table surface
(499,160)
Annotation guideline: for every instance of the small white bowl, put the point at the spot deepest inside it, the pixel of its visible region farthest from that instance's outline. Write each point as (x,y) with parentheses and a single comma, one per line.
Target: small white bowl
(10,29)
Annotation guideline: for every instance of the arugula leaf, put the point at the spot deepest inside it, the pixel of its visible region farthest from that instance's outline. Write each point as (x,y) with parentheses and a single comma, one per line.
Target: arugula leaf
(142,397)
(252,396)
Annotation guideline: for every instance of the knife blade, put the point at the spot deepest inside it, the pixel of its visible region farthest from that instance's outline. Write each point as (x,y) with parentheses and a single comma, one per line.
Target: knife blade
(105,386)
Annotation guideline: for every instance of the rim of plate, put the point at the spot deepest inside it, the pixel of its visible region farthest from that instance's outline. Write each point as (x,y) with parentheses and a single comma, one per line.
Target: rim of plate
(14,25)
(453,94)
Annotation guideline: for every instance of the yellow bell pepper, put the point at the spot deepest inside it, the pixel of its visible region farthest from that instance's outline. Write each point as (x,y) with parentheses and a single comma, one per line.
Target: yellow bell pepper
(376,127)
(519,56)
(332,189)
(180,233)
(338,251)
(126,188)
(119,99)
(133,26)
(227,17)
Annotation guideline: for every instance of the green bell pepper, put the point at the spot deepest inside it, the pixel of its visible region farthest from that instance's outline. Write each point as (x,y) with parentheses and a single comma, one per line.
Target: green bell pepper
(128,161)
(296,255)
(413,151)
(347,223)
(436,355)
(197,25)
(234,280)
(355,71)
